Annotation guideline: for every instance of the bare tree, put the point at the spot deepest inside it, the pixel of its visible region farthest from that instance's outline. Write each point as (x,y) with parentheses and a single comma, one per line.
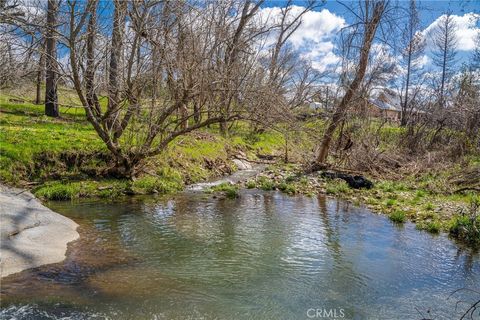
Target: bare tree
(236,43)
(373,12)
(413,47)
(445,49)
(178,63)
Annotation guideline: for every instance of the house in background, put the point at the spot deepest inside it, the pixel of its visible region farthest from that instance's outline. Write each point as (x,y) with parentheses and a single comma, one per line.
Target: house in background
(387,105)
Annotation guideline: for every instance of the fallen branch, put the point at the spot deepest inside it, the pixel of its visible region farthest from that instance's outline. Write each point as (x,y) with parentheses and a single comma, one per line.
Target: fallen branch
(467,189)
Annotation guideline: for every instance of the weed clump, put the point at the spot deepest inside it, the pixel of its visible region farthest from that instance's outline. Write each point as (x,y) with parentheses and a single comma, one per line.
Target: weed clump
(397,216)
(251,184)
(465,226)
(288,188)
(265,184)
(230,190)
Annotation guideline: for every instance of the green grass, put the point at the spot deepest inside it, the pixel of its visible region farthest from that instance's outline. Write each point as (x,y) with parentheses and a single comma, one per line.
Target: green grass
(64,190)
(336,187)
(429,206)
(390,202)
(151,184)
(398,216)
(26,133)
(288,188)
(434,226)
(230,190)
(466,224)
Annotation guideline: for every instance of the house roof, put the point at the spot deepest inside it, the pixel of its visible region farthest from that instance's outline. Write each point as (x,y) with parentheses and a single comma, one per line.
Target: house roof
(387,100)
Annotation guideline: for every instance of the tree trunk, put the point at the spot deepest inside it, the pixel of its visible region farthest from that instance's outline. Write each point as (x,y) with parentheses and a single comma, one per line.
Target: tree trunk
(404,119)
(369,34)
(51,99)
(40,75)
(224,128)
(196,113)
(115,60)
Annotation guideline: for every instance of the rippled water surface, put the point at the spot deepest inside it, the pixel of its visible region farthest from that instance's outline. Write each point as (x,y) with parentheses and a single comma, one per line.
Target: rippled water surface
(261,256)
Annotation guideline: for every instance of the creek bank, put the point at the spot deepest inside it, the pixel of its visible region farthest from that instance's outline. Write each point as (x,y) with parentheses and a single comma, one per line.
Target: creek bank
(31,234)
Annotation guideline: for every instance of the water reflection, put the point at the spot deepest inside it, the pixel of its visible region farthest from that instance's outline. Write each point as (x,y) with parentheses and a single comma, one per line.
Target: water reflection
(263,255)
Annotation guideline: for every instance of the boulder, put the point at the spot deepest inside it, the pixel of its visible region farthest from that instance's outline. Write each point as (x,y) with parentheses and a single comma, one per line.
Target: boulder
(31,235)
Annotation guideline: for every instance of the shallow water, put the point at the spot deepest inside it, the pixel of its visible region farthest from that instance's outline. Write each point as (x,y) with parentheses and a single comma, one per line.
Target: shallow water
(261,256)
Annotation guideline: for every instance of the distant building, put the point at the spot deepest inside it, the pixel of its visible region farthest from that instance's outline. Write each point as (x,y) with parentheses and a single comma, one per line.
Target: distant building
(386,105)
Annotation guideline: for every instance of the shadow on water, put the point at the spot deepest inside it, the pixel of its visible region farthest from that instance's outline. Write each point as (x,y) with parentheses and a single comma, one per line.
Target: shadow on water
(262,255)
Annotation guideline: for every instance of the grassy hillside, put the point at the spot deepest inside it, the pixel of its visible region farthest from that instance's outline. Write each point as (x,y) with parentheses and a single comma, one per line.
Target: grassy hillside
(64,158)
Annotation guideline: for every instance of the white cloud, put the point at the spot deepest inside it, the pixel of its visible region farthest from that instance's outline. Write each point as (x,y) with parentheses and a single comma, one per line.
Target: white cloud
(423,61)
(313,39)
(325,62)
(467,30)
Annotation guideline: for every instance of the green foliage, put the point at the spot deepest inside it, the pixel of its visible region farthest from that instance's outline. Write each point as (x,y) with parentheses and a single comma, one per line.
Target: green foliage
(303,181)
(420,194)
(64,190)
(397,216)
(466,229)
